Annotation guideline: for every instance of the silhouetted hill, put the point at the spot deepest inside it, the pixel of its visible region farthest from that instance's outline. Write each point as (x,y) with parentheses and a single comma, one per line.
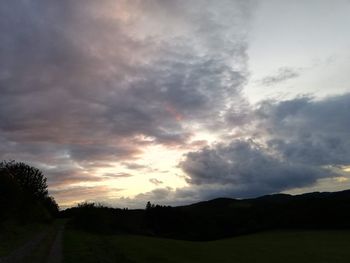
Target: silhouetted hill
(215,203)
(221,217)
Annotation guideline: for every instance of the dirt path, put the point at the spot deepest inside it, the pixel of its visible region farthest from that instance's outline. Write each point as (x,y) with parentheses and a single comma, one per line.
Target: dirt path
(44,247)
(55,255)
(21,253)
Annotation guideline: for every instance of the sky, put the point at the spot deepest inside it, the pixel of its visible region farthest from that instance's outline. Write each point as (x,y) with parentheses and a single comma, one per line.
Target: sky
(171,101)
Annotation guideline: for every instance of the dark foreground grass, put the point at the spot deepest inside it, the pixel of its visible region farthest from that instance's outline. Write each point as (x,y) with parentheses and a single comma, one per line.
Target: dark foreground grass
(300,246)
(13,236)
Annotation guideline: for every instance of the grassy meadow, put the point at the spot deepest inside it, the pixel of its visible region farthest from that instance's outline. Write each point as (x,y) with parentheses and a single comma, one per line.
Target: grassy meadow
(277,246)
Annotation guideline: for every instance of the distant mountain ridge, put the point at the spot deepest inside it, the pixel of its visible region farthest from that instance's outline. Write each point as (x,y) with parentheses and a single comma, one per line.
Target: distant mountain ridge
(280,197)
(222,217)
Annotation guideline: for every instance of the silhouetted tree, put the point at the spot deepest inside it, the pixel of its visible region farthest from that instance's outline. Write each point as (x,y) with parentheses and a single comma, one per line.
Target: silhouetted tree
(10,195)
(23,193)
(51,205)
(148,205)
(30,179)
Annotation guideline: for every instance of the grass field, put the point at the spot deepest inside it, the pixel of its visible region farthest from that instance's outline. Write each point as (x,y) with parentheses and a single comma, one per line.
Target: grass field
(301,246)
(12,236)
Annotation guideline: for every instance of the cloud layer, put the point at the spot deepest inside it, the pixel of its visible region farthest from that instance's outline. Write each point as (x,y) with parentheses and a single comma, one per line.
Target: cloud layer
(87,86)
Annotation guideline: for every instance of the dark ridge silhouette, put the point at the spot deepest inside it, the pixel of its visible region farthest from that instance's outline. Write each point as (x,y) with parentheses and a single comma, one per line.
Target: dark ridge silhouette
(218,218)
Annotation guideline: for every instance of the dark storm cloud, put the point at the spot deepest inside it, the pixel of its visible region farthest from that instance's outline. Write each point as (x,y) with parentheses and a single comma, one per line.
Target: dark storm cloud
(301,141)
(283,74)
(248,168)
(309,131)
(88,83)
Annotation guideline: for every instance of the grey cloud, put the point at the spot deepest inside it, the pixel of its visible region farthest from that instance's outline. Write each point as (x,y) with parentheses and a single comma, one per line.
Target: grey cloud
(248,168)
(118,175)
(283,74)
(62,177)
(155,181)
(239,114)
(134,166)
(94,152)
(309,131)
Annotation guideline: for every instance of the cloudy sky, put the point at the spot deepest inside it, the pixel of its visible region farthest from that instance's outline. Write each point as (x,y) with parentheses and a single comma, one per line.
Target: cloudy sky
(176,101)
